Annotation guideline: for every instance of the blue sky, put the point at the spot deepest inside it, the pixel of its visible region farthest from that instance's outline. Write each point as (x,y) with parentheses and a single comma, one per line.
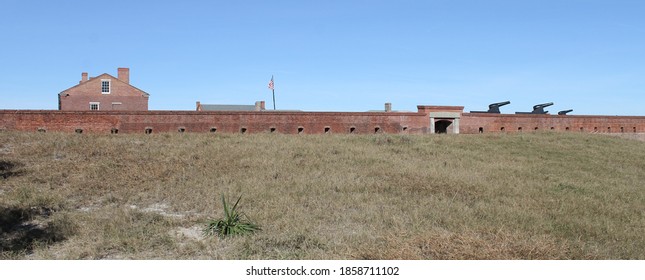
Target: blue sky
(330,55)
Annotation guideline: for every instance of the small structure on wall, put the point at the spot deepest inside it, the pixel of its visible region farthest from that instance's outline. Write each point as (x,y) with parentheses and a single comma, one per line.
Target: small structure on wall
(104,93)
(259,106)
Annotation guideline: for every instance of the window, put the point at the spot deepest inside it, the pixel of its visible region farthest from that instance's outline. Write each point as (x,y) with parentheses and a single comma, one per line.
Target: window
(94,106)
(105,86)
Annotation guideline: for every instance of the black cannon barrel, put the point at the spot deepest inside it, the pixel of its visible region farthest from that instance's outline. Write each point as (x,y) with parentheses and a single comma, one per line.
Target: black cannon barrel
(543,105)
(538,109)
(493,108)
(499,104)
(564,112)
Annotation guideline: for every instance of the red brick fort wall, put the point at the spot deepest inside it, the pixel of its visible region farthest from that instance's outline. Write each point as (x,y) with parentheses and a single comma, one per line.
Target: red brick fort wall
(491,123)
(304,122)
(225,122)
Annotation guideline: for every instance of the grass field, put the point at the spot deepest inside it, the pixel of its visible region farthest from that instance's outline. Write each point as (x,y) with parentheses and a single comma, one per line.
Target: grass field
(520,196)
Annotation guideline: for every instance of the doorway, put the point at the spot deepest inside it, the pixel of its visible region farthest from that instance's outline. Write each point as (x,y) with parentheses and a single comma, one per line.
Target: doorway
(441,126)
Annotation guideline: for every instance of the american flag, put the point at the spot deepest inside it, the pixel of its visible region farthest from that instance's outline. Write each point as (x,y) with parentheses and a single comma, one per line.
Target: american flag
(271,83)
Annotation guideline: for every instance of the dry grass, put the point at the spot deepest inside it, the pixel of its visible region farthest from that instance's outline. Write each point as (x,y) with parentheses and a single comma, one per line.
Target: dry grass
(523,196)
(634,136)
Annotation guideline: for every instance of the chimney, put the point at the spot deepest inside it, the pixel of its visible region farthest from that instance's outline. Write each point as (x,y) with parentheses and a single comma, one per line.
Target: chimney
(388,107)
(199,106)
(259,106)
(124,75)
(83,77)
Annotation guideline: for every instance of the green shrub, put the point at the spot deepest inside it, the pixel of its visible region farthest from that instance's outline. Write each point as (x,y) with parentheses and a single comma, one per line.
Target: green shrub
(234,222)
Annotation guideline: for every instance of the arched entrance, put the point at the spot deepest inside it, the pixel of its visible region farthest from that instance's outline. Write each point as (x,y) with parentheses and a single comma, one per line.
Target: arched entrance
(441,126)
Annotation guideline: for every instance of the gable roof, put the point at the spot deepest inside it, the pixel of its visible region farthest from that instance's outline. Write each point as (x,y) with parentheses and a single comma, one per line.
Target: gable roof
(103,75)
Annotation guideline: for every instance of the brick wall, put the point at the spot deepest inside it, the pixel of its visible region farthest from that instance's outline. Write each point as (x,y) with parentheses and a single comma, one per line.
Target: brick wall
(107,103)
(222,122)
(495,123)
(303,122)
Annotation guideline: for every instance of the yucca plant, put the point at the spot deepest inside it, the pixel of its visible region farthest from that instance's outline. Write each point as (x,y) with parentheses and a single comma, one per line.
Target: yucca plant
(234,222)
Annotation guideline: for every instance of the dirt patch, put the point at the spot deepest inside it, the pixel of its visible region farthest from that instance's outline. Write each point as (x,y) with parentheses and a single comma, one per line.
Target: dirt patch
(193,233)
(161,209)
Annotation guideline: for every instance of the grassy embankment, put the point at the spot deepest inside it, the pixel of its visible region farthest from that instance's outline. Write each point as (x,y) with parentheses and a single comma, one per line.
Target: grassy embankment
(522,196)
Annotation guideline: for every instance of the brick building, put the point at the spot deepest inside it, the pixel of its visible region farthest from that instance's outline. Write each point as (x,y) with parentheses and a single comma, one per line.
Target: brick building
(104,93)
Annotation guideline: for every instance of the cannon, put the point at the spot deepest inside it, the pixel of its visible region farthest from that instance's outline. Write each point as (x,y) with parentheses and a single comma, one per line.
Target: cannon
(538,109)
(564,112)
(493,108)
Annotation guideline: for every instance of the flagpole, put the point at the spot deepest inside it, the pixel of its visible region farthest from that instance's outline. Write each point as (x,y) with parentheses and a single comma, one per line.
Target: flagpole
(273,91)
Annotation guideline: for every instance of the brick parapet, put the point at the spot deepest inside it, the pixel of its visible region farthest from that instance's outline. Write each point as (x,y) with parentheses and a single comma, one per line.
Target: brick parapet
(302,122)
(487,123)
(227,122)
